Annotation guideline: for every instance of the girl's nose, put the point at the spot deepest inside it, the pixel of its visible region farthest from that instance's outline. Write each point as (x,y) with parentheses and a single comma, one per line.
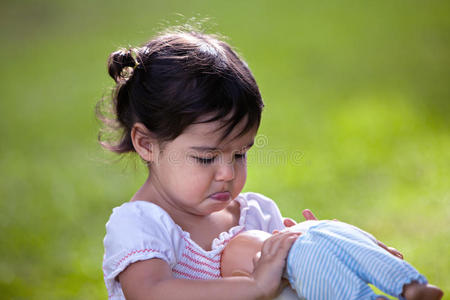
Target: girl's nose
(225,171)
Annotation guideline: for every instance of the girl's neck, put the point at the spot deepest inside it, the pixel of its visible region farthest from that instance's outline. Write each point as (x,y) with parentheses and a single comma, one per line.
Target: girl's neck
(203,229)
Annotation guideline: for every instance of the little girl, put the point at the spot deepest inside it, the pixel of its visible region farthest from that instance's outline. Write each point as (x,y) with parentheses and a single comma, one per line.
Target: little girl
(190,108)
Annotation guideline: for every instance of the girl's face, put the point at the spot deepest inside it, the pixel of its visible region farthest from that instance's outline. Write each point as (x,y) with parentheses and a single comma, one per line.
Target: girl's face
(198,174)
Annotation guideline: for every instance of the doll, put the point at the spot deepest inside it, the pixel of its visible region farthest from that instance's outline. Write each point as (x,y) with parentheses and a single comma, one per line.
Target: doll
(332,260)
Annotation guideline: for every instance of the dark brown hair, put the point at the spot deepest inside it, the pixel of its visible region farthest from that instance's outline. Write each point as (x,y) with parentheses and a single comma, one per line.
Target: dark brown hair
(174,80)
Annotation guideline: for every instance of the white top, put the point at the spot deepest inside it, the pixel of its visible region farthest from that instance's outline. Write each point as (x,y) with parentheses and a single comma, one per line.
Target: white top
(141,230)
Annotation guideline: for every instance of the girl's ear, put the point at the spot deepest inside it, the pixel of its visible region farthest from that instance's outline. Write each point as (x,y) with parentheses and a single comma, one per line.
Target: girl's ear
(142,142)
(240,273)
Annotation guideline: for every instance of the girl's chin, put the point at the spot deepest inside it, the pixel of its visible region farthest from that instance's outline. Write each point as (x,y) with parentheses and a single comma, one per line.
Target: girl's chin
(216,207)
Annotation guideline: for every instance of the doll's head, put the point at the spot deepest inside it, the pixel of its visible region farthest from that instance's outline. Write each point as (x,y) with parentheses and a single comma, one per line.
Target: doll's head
(175,80)
(242,252)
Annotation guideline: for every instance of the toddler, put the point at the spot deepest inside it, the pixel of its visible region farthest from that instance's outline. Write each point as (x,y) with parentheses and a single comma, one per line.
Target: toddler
(189,106)
(333,260)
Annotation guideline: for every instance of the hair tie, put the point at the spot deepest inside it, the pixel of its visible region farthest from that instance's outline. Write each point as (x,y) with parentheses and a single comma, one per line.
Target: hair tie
(121,64)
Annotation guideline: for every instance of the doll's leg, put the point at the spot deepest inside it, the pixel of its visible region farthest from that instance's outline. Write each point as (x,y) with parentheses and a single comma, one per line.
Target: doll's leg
(363,258)
(315,272)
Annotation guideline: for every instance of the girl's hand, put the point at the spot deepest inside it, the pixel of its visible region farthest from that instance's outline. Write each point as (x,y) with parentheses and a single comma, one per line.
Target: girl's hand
(307,214)
(269,267)
(391,250)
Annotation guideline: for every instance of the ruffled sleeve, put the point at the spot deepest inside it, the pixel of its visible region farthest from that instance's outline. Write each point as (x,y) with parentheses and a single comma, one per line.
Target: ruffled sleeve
(260,212)
(138,231)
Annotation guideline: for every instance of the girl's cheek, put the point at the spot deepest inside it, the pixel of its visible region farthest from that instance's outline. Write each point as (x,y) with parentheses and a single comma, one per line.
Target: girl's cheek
(241,174)
(241,166)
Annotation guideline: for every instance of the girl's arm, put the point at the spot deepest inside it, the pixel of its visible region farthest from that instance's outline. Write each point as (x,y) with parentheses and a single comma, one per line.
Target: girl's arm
(152,279)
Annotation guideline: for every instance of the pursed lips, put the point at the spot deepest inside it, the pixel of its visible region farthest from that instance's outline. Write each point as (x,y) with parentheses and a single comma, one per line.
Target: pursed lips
(221,196)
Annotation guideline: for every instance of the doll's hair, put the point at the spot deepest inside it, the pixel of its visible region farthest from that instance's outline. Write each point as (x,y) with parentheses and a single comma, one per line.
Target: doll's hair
(174,80)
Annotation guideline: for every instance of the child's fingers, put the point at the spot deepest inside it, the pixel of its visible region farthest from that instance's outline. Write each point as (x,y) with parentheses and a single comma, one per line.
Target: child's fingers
(308,215)
(279,243)
(391,250)
(286,244)
(395,252)
(288,222)
(269,267)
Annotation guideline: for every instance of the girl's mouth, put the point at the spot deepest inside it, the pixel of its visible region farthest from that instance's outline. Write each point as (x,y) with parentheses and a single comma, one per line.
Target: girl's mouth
(222,196)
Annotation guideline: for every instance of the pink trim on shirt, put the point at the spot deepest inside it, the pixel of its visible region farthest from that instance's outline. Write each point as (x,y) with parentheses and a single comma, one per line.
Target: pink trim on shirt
(136,252)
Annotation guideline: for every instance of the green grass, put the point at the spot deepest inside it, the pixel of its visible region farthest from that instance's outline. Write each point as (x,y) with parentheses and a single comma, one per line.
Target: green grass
(355,127)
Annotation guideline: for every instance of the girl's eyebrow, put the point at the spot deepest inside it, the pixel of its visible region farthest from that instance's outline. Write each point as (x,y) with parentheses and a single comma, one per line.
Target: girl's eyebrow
(206,148)
(248,146)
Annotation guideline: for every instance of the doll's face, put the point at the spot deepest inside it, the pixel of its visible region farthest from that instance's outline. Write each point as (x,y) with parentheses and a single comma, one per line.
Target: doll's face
(242,252)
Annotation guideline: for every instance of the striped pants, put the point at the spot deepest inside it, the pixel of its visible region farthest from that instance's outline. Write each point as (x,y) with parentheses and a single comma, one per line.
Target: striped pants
(335,260)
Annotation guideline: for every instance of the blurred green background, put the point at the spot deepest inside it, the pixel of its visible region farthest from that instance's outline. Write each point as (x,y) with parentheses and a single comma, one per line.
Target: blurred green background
(356,125)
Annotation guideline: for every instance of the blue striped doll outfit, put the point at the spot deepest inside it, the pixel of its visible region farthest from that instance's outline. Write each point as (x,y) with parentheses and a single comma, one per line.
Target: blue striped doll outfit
(335,260)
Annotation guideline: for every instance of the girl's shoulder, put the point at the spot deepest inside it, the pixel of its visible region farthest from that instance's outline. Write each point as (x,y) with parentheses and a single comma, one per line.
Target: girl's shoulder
(141,225)
(139,230)
(135,215)
(139,208)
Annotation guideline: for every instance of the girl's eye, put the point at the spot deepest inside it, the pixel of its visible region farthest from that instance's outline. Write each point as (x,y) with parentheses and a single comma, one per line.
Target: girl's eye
(240,156)
(204,160)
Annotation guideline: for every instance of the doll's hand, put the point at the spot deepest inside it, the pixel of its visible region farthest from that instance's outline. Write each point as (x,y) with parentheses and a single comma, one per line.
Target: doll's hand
(269,267)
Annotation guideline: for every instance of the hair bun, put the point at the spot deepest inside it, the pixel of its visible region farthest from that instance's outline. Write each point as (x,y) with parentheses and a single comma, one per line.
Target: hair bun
(118,62)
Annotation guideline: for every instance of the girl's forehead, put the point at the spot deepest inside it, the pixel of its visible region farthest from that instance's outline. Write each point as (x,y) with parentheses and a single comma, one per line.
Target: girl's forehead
(210,135)
(210,129)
